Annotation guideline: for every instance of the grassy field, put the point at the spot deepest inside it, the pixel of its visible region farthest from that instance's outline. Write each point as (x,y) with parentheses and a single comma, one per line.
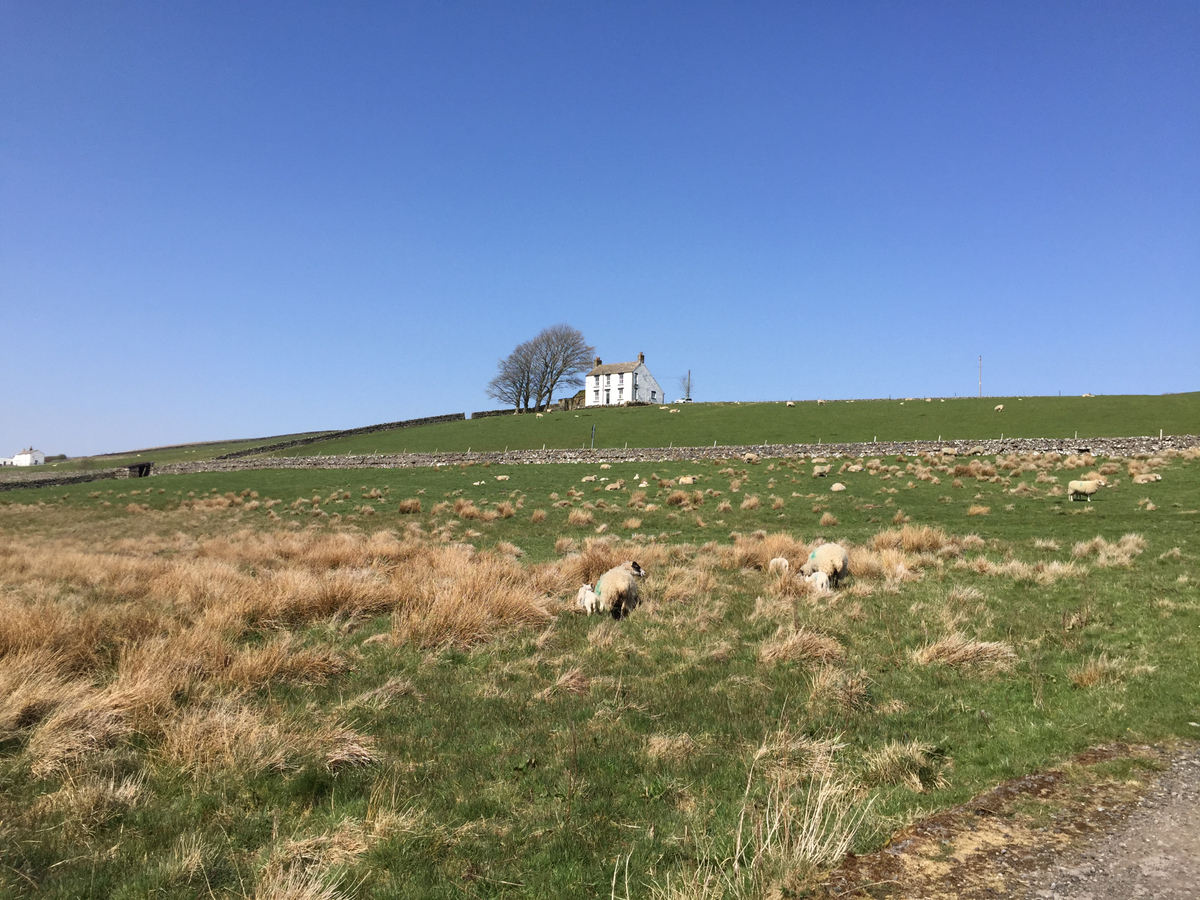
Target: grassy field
(277,684)
(732,424)
(181,453)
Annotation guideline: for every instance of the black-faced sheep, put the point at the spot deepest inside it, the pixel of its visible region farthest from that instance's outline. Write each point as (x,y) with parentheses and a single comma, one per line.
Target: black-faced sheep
(617,589)
(1077,489)
(832,559)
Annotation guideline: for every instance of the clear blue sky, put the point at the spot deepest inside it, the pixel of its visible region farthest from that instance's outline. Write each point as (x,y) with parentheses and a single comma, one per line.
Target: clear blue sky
(229,220)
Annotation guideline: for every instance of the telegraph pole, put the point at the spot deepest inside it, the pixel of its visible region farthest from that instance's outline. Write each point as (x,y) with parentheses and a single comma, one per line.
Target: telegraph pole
(980,377)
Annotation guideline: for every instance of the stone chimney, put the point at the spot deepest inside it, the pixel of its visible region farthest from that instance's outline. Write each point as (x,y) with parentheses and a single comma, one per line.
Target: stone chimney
(641,357)
(597,363)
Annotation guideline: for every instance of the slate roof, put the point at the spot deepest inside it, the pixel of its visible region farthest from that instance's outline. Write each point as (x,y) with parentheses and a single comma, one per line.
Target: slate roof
(615,368)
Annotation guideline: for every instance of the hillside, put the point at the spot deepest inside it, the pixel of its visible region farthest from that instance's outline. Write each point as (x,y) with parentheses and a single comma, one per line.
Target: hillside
(702,424)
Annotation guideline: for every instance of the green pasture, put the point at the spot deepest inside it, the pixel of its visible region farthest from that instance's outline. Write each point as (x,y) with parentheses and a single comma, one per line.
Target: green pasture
(509,787)
(734,424)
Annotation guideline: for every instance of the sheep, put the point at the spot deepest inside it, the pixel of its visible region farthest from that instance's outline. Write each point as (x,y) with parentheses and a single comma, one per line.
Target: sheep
(790,403)
(821,471)
(502,477)
(1084,488)
(778,564)
(538,415)
(750,457)
(586,599)
(999,407)
(820,403)
(686,479)
(838,487)
(617,589)
(819,581)
(831,559)
(1146,478)
(587,478)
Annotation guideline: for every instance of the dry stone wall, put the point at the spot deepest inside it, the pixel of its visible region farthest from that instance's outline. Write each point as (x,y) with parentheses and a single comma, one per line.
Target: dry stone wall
(1123,447)
(334,435)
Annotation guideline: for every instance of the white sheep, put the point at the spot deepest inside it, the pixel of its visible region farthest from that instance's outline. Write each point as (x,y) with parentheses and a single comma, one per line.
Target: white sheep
(1084,488)
(832,559)
(778,564)
(838,487)
(821,471)
(587,478)
(502,477)
(819,581)
(538,415)
(1146,478)
(687,479)
(586,599)
(617,589)
(820,403)
(790,403)
(999,407)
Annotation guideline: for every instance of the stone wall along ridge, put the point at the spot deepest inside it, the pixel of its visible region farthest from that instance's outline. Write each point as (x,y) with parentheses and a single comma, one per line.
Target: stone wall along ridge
(334,435)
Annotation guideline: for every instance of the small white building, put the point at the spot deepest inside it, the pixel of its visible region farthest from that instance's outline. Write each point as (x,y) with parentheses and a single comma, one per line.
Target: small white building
(618,383)
(29,457)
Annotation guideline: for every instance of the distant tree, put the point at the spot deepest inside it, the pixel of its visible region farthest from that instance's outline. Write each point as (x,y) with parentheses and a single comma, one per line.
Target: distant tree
(685,385)
(556,357)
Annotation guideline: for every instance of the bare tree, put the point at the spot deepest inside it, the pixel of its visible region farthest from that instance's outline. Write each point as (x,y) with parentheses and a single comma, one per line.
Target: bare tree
(685,385)
(557,357)
(562,358)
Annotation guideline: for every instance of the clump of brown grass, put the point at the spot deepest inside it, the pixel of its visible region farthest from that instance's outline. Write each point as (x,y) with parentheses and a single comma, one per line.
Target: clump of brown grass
(580,517)
(410,506)
(958,650)
(632,523)
(538,515)
(976,509)
(671,747)
(751,502)
(564,545)
(1098,670)
(1109,555)
(912,764)
(505,510)
(790,644)
(913,539)
(828,520)
(834,686)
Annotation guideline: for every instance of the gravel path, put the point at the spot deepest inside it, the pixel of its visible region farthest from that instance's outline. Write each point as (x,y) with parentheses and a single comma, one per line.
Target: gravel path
(1154,853)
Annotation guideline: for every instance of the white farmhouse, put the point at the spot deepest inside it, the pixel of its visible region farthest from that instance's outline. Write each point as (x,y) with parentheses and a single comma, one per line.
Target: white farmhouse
(29,457)
(618,383)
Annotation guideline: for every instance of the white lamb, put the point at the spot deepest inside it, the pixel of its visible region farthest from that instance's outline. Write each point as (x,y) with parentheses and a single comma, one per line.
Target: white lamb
(831,559)
(586,599)
(778,564)
(819,581)
(1078,489)
(617,589)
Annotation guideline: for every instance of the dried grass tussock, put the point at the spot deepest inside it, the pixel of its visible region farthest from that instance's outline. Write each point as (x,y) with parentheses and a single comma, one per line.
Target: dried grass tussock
(958,650)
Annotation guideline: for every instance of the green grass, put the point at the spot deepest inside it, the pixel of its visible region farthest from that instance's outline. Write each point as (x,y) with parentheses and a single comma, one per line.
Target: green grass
(730,424)
(516,790)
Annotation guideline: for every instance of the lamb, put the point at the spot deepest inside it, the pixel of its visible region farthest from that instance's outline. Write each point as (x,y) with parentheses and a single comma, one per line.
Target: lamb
(831,559)
(617,589)
(1084,488)
(778,564)
(586,599)
(999,407)
(1146,478)
(819,581)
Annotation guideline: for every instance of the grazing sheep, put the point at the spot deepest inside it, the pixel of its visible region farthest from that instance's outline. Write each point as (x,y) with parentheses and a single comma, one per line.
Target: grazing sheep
(586,599)
(819,581)
(820,403)
(617,589)
(1146,478)
(778,564)
(687,479)
(831,559)
(821,471)
(750,457)
(790,403)
(999,407)
(838,487)
(1084,489)
(538,415)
